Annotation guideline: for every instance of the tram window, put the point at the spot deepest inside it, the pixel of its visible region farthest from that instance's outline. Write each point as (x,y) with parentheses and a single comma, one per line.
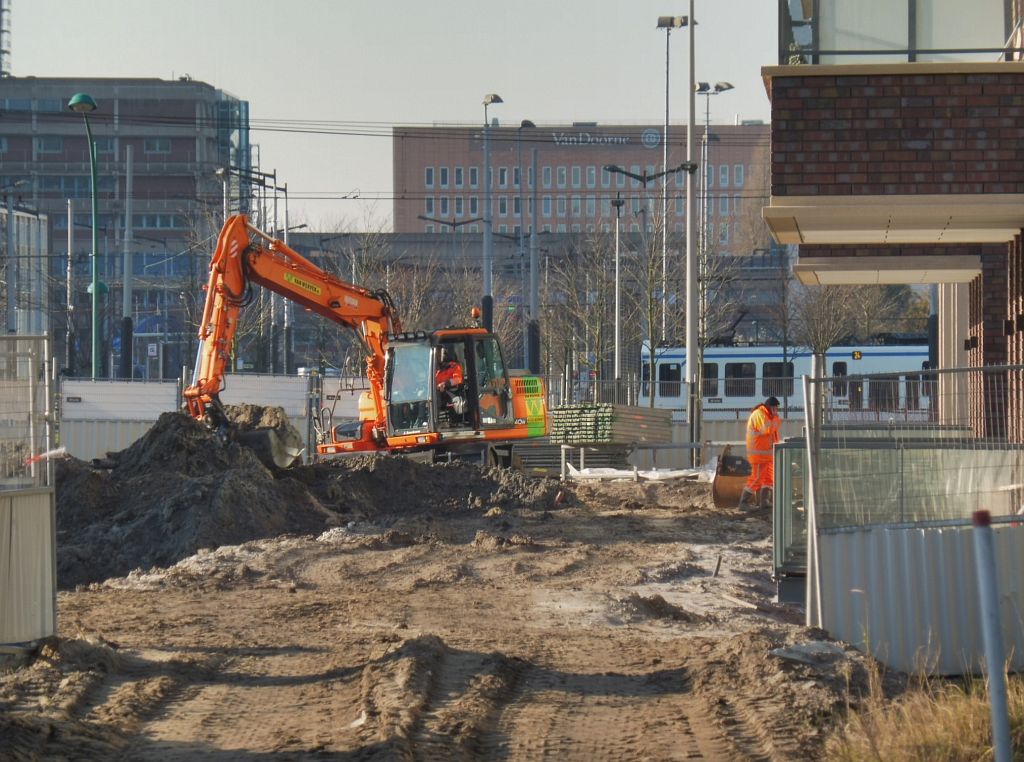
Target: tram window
(856,392)
(839,372)
(645,379)
(929,379)
(670,376)
(710,379)
(884,393)
(778,379)
(740,379)
(913,391)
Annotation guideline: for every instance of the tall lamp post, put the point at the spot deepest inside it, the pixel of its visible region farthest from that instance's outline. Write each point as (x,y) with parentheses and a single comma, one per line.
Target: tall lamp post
(707,90)
(693,354)
(617,202)
(668,23)
(84,104)
(644,178)
(525,124)
(452,223)
(487,305)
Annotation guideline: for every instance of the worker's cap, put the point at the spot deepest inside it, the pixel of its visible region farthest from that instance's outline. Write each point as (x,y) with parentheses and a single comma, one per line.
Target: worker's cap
(771,402)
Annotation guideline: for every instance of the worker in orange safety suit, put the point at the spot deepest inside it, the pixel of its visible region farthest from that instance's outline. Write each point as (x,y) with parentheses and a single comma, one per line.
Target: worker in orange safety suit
(762,433)
(448,379)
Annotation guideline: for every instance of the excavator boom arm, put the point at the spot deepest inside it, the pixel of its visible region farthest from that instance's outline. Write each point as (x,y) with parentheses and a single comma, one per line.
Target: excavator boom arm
(245,256)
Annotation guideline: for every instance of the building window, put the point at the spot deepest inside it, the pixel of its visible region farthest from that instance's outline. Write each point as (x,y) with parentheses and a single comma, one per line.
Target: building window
(680,178)
(561,206)
(546,206)
(502,177)
(723,205)
(49,144)
(3,145)
(680,206)
(530,178)
(430,228)
(576,174)
(577,206)
(442,174)
(474,206)
(516,209)
(635,169)
(737,175)
(606,178)
(606,208)
(723,233)
(709,175)
(458,177)
(474,177)
(737,204)
(503,206)
(428,206)
(723,176)
(104,145)
(591,206)
(444,206)
(516,181)
(156,145)
(591,177)
(459,206)
(562,175)
(547,177)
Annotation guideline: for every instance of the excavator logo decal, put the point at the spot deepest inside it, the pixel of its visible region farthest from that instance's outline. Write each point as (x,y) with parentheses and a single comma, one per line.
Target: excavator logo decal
(303,284)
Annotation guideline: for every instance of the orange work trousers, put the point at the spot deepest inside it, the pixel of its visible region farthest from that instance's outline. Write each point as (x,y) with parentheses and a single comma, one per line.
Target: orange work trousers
(761,475)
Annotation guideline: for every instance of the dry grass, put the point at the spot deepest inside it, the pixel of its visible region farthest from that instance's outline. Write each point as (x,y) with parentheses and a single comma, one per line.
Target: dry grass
(935,721)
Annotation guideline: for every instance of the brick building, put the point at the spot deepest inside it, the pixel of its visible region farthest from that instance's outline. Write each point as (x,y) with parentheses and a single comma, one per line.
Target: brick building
(438,175)
(908,171)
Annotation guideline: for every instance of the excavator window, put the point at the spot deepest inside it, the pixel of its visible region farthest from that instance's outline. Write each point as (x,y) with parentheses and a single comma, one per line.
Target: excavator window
(492,382)
(410,387)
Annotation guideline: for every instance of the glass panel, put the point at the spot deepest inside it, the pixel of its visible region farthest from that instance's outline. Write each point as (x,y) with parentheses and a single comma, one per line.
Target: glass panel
(409,393)
(670,376)
(740,379)
(778,379)
(710,381)
(492,383)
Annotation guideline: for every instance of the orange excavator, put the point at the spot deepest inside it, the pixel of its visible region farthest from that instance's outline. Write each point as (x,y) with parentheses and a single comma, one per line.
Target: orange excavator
(414,404)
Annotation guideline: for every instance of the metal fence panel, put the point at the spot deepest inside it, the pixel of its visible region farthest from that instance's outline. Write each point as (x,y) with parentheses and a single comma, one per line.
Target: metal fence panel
(28,565)
(909,596)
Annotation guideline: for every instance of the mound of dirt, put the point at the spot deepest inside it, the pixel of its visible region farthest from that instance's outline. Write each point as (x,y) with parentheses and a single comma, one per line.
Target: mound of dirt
(180,488)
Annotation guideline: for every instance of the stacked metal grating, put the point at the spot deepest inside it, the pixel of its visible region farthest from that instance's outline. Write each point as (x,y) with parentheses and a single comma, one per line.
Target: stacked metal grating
(605,423)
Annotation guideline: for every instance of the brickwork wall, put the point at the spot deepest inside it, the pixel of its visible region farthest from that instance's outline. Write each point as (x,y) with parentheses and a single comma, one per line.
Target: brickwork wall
(898,134)
(1014,328)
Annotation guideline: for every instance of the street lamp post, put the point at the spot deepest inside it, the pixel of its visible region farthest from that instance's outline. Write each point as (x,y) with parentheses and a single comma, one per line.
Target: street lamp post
(452,223)
(84,104)
(705,89)
(644,178)
(693,354)
(617,202)
(525,124)
(487,305)
(668,23)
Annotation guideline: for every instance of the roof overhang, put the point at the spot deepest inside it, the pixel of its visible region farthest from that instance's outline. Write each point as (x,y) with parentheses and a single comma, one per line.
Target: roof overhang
(895,220)
(858,271)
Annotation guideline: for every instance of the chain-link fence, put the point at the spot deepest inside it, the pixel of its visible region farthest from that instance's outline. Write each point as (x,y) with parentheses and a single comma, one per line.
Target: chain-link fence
(25,416)
(915,447)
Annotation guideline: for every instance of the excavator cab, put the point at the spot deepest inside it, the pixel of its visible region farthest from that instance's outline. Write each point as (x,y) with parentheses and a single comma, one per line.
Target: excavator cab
(448,382)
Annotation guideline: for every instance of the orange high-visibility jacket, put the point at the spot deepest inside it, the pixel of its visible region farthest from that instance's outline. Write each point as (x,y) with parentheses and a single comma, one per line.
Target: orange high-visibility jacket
(448,376)
(762,433)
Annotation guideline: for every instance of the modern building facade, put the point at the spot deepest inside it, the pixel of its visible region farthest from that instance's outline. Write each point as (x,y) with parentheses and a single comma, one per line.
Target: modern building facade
(178,134)
(556,177)
(909,170)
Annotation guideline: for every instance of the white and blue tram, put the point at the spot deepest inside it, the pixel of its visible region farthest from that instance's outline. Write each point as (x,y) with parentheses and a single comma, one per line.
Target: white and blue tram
(868,381)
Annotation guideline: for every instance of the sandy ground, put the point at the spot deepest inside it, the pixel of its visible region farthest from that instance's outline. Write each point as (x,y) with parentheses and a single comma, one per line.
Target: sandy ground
(522,621)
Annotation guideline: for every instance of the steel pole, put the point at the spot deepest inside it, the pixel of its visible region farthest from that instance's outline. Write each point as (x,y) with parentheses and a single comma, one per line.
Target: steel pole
(664,201)
(692,350)
(95,286)
(487,303)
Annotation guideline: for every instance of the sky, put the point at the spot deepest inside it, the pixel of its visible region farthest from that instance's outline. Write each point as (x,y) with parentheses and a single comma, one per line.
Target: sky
(361,66)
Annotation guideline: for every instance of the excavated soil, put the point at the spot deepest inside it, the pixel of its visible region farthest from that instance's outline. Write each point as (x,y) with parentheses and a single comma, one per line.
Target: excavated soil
(377,608)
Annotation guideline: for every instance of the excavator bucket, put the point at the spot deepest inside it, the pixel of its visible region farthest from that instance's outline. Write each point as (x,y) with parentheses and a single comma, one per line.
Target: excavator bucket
(730,477)
(269,447)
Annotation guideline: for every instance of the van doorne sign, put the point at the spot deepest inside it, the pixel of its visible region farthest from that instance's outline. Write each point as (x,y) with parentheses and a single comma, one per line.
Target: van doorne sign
(588,139)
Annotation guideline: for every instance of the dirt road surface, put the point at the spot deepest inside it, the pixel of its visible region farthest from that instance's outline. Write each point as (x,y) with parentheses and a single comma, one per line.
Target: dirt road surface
(441,612)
